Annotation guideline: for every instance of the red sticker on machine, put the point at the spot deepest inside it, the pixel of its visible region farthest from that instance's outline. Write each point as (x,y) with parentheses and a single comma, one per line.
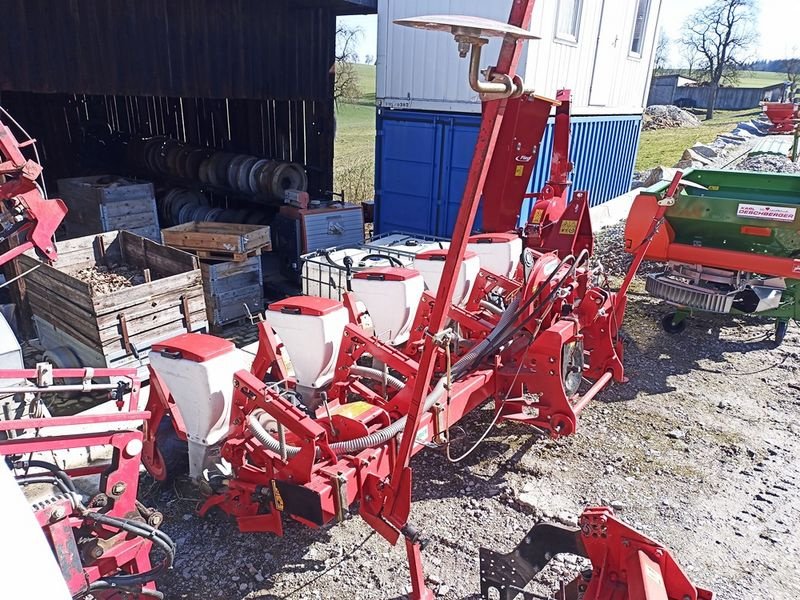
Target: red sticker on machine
(772,213)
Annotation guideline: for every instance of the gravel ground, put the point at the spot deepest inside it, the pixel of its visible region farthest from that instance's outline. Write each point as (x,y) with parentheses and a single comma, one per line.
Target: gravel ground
(767,163)
(699,449)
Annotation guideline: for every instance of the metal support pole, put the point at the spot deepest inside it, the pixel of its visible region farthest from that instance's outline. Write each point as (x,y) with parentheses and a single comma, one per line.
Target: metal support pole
(490,127)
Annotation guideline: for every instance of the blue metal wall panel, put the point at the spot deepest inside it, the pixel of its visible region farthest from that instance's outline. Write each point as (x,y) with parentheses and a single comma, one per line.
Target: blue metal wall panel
(407,151)
(459,146)
(603,150)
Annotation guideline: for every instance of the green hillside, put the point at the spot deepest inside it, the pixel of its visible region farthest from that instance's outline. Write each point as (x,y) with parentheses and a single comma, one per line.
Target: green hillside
(354,149)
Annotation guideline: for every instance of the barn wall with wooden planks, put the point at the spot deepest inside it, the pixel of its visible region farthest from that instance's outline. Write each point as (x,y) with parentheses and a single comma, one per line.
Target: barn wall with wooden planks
(65,126)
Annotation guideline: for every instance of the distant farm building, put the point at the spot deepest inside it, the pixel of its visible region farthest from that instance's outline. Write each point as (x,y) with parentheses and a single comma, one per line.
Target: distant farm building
(685,92)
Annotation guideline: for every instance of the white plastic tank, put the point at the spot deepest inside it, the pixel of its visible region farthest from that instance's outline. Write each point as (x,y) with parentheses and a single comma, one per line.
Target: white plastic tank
(408,244)
(431,265)
(311,330)
(391,295)
(325,274)
(499,253)
(198,371)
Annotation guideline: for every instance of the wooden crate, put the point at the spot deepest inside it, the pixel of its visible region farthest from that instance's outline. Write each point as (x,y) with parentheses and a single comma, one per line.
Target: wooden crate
(225,241)
(108,203)
(118,328)
(229,286)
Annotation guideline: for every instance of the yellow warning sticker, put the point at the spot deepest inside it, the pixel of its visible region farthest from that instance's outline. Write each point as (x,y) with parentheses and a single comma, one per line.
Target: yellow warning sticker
(277,496)
(568,227)
(537,215)
(352,410)
(519,171)
(713,188)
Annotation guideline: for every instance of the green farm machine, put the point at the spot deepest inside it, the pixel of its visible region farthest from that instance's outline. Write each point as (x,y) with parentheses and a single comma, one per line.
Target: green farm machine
(730,241)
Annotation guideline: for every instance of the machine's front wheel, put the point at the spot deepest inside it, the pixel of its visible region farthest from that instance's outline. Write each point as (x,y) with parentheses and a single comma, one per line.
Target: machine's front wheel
(781,327)
(673,323)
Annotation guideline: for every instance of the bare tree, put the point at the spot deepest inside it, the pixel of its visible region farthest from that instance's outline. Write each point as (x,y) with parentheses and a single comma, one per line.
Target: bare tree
(720,34)
(345,80)
(689,56)
(791,67)
(662,51)
(369,59)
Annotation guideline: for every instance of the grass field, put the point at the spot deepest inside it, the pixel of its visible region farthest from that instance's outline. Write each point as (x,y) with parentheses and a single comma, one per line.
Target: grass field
(759,78)
(354,148)
(755,79)
(665,146)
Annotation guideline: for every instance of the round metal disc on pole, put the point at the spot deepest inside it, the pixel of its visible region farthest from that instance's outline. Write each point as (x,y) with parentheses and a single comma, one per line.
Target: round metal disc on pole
(465,25)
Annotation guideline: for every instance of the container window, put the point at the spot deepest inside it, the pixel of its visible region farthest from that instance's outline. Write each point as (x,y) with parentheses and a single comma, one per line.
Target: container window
(568,20)
(639,27)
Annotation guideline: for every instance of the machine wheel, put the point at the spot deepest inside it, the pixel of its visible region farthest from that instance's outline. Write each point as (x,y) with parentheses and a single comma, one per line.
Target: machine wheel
(669,324)
(781,327)
(174,450)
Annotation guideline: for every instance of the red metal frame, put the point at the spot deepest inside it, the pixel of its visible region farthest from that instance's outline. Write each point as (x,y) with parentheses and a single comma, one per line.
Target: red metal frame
(119,481)
(394,509)
(630,566)
(20,195)
(625,565)
(562,307)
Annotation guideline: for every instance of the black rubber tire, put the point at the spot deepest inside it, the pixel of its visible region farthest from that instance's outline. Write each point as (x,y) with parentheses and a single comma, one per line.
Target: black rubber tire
(781,327)
(174,450)
(671,327)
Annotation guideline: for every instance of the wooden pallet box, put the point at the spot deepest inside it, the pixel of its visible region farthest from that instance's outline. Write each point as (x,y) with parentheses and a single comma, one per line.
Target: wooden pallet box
(231,241)
(119,327)
(103,203)
(231,288)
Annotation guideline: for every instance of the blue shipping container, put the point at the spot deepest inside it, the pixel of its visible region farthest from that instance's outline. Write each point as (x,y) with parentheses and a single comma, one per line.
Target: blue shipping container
(422,160)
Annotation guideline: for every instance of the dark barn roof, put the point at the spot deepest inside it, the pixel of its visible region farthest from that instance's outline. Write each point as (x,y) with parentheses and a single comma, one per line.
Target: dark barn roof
(280,49)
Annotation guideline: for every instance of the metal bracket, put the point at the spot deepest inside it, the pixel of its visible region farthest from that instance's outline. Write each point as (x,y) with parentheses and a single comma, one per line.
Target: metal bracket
(508,574)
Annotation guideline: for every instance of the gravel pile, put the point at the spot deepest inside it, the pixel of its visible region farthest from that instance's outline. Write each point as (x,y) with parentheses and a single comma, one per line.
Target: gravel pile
(609,251)
(769,163)
(664,116)
(105,280)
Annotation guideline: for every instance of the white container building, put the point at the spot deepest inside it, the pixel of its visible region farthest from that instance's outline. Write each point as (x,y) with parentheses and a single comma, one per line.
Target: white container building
(428,116)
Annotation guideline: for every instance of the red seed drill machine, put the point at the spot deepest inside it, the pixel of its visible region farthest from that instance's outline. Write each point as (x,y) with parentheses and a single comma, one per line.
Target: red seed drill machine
(100,534)
(535,336)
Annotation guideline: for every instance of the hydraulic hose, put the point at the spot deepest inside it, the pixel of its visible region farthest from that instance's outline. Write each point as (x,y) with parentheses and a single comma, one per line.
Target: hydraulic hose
(350,446)
(459,369)
(377,376)
(144,530)
(504,326)
(40,464)
(500,335)
(49,479)
(491,307)
(61,478)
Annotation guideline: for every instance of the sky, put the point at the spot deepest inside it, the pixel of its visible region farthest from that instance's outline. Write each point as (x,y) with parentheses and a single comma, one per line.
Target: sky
(778,30)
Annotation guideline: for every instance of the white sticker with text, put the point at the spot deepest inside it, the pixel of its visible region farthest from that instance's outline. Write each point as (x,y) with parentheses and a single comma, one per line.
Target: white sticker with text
(772,213)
